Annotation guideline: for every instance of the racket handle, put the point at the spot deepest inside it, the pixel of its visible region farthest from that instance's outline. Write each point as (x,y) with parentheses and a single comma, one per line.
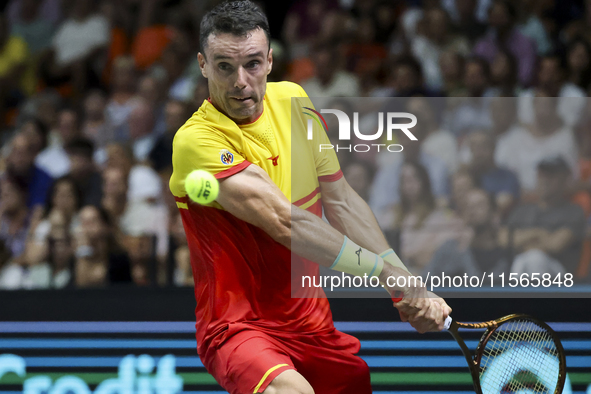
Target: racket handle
(397,296)
(447,323)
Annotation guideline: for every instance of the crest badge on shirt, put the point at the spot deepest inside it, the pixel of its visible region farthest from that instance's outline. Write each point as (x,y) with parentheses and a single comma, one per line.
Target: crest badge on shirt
(226,157)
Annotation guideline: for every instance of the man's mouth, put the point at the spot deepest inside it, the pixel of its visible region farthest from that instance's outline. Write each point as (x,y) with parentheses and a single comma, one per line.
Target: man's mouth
(242,99)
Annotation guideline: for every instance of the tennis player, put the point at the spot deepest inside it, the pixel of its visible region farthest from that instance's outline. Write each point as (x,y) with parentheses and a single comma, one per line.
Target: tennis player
(252,335)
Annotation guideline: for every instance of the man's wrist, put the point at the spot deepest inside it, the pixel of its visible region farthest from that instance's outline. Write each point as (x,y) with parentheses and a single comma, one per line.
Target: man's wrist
(392,258)
(355,260)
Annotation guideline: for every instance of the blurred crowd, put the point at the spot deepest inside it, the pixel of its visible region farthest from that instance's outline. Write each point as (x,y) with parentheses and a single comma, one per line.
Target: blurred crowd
(92,93)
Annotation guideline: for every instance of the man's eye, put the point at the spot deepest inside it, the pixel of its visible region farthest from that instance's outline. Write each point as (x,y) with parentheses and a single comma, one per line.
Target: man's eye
(224,66)
(252,64)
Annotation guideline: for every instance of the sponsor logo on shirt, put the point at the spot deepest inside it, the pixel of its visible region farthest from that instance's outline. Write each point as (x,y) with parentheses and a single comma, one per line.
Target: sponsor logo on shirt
(226,157)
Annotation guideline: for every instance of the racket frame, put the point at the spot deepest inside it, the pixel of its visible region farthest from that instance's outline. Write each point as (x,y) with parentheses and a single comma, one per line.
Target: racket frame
(491,327)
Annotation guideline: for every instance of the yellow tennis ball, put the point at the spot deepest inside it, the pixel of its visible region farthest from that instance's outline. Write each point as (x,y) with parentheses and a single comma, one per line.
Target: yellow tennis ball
(202,187)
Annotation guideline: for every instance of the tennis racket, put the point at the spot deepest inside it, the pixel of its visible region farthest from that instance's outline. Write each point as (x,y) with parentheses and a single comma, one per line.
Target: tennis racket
(516,354)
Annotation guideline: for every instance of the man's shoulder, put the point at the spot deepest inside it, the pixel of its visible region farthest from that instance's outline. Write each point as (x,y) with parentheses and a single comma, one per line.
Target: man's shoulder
(204,125)
(284,89)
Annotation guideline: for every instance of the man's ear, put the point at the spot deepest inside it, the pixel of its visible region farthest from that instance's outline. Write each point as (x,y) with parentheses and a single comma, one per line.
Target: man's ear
(270,61)
(201,60)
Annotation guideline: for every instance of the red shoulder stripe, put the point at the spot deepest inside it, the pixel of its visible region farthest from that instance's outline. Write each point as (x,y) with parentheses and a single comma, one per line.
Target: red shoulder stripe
(331,178)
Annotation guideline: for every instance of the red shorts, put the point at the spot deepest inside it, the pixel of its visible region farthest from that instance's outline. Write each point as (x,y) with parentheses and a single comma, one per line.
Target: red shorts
(249,360)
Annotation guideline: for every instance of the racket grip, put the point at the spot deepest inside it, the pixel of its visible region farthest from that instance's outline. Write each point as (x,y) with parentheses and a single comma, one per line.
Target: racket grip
(447,323)
(397,296)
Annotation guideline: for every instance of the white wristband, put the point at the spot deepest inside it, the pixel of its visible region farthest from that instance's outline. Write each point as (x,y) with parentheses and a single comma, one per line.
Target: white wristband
(355,260)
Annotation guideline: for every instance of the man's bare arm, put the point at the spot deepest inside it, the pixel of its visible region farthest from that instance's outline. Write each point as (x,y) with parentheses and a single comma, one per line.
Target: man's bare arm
(349,213)
(252,196)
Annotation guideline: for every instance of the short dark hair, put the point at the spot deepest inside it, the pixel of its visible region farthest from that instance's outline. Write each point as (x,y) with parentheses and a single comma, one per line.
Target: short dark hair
(81,146)
(234,17)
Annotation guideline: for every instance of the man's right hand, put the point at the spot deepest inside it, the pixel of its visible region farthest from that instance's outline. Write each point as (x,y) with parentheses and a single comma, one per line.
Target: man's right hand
(423,310)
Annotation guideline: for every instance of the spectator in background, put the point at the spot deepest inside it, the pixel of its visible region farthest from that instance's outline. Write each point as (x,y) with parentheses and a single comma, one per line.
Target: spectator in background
(134,218)
(386,189)
(503,73)
(359,174)
(176,114)
(418,226)
(97,127)
(84,172)
(500,183)
(36,132)
(144,265)
(54,158)
(60,261)
(44,106)
(504,116)
(14,217)
(552,82)
(303,24)
(437,38)
(179,257)
(467,24)
(365,57)
(504,34)
(151,90)
(482,253)
(579,63)
(143,182)
(462,182)
(330,79)
(20,166)
(141,127)
(471,112)
(5,267)
(122,99)
(100,260)
(452,72)
(438,142)
(13,57)
(547,236)
(33,25)
(77,46)
(174,62)
(530,25)
(525,147)
(406,79)
(60,215)
(50,10)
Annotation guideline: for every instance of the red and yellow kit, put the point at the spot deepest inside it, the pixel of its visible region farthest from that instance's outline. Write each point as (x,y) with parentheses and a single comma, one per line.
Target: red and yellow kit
(249,327)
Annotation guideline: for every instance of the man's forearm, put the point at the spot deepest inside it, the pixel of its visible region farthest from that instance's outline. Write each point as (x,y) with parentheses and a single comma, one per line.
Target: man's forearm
(353,218)
(313,239)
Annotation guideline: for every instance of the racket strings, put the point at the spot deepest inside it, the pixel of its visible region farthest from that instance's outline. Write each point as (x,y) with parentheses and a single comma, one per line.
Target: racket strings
(519,357)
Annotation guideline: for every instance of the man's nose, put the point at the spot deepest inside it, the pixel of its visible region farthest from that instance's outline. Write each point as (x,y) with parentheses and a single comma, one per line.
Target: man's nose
(240,78)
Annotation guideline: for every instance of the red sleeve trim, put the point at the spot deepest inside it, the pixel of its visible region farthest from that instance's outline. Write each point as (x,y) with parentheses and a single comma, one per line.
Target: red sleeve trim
(304,200)
(331,178)
(184,199)
(233,170)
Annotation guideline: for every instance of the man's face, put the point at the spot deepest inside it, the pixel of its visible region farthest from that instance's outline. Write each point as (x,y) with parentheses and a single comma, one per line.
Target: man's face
(236,68)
